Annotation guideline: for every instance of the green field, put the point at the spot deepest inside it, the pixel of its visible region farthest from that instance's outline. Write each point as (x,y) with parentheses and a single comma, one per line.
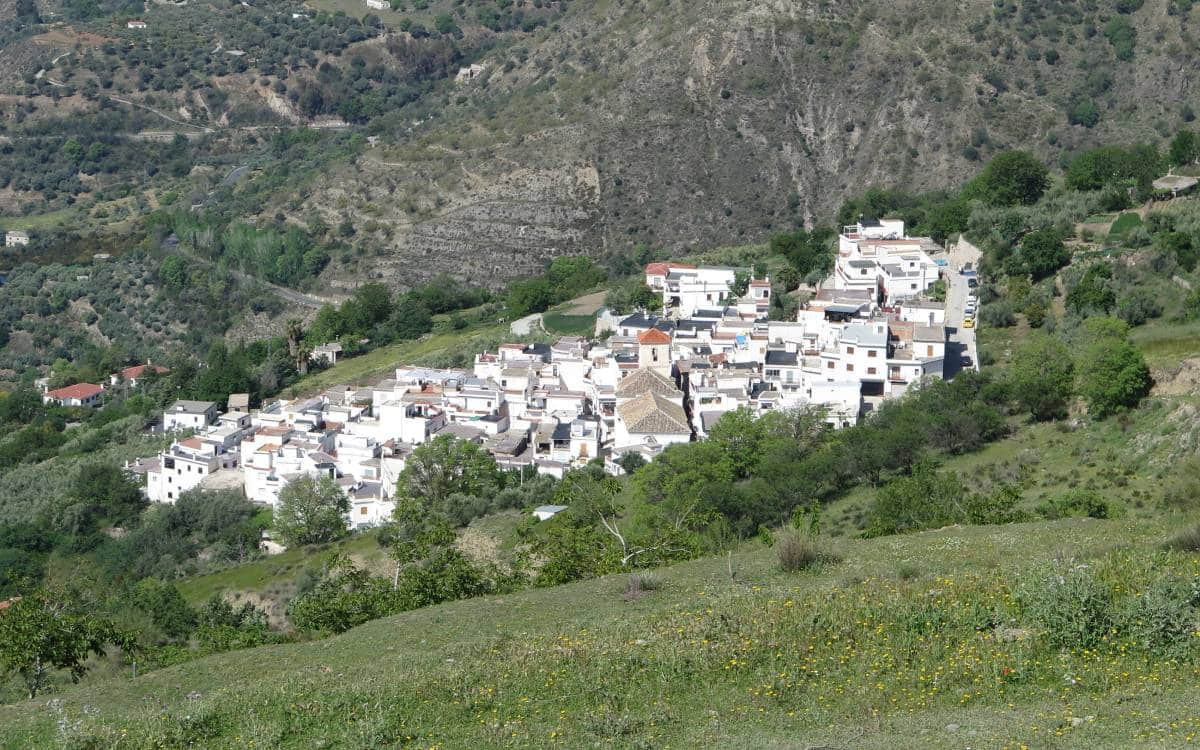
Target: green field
(569,325)
(909,641)
(377,363)
(1123,224)
(1166,344)
(38,221)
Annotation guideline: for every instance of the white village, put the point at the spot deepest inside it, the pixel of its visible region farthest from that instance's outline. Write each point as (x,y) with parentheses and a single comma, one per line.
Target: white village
(646,379)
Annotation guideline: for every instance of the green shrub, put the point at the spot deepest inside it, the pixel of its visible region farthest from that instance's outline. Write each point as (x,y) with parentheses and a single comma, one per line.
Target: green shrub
(802,551)
(1186,539)
(997,315)
(996,507)
(1122,36)
(1072,608)
(1162,618)
(1075,503)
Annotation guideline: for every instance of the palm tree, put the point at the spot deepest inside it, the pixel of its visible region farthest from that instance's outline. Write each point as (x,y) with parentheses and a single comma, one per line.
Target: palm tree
(303,352)
(297,348)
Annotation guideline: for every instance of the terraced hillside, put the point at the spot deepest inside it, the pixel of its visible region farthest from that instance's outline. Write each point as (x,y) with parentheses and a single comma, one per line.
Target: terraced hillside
(685,123)
(586,127)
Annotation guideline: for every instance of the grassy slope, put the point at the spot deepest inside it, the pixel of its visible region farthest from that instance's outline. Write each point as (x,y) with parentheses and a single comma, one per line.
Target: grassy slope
(702,661)
(376,364)
(281,570)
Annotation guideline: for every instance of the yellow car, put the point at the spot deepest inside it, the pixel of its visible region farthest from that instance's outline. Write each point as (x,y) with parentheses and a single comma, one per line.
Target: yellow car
(968,322)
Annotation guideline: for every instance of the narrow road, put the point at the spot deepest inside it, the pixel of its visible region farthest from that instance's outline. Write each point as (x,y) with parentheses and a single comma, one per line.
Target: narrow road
(962,340)
(291,295)
(283,292)
(524,326)
(286,293)
(160,114)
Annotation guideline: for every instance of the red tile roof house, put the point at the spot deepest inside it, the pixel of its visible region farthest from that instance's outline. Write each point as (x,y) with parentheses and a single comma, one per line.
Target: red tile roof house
(80,394)
(130,375)
(656,273)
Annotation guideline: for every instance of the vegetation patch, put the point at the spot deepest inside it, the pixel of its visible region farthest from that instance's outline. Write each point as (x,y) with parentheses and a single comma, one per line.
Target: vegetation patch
(1123,224)
(570,325)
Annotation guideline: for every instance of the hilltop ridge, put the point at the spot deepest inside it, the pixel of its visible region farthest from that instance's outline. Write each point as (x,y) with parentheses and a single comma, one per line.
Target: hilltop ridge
(591,127)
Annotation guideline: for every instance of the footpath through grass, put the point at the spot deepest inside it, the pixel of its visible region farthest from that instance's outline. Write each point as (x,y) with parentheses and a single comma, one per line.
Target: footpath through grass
(921,640)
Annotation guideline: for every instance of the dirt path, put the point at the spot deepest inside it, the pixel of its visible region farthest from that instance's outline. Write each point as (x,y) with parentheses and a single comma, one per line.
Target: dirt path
(160,114)
(588,304)
(524,326)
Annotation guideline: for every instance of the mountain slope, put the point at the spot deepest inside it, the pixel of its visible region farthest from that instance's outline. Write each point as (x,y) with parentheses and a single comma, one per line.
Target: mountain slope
(685,123)
(590,126)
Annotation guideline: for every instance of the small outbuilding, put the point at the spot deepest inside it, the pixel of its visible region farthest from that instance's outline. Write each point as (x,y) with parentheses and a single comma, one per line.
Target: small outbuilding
(1177,185)
(546,512)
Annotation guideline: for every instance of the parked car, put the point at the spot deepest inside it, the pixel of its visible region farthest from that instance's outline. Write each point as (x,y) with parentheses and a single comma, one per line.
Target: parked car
(972,282)
(968,322)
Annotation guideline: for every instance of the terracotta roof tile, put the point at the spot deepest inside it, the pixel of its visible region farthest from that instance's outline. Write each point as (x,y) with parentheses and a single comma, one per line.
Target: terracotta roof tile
(653,336)
(78,390)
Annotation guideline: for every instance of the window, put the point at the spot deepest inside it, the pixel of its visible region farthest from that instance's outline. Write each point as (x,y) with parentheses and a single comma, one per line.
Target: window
(829,365)
(849,367)
(654,354)
(870,370)
(914,286)
(929,350)
(849,349)
(362,511)
(871,353)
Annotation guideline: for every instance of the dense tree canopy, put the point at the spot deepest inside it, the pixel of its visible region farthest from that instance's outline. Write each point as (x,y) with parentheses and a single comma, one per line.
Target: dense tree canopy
(1112,372)
(1011,178)
(1043,376)
(1043,253)
(446,466)
(311,510)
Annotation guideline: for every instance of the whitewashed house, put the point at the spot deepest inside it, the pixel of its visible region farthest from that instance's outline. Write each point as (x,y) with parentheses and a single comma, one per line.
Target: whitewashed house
(185,465)
(877,257)
(327,353)
(369,506)
(132,375)
(649,420)
(923,311)
(79,394)
(189,415)
(16,238)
